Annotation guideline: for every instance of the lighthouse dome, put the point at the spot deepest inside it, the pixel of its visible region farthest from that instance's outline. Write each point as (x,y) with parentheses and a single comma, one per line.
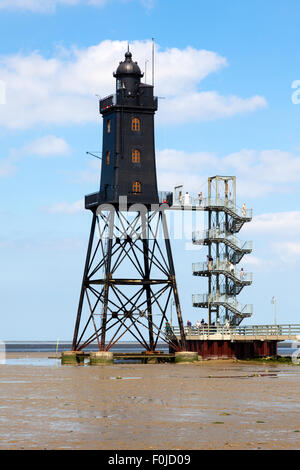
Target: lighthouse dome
(128,67)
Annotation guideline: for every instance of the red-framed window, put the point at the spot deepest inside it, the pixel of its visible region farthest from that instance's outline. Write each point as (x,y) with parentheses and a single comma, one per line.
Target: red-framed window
(136,187)
(135,124)
(136,156)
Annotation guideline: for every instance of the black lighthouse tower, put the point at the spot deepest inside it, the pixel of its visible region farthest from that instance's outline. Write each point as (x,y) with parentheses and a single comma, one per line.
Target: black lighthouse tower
(128,139)
(129,285)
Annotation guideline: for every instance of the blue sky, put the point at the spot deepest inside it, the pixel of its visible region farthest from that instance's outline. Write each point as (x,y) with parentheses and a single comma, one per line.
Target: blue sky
(225,71)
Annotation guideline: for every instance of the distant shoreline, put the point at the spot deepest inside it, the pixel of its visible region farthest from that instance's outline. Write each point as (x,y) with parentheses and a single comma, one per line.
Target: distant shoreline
(51,346)
(122,346)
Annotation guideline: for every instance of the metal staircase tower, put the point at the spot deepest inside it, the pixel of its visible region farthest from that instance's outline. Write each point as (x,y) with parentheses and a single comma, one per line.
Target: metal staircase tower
(225,251)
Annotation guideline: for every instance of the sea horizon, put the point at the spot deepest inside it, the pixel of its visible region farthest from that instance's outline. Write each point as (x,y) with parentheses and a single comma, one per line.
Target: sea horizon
(285,348)
(50,346)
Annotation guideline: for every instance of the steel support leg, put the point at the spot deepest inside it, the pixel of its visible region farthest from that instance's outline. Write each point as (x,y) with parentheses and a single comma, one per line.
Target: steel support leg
(84,280)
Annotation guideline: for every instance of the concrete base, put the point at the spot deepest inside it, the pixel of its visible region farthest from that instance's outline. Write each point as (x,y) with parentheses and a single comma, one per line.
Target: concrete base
(101,358)
(151,360)
(186,356)
(72,357)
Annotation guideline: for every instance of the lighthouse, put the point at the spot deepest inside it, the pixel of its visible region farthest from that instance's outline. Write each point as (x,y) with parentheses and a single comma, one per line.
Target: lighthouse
(128,153)
(129,284)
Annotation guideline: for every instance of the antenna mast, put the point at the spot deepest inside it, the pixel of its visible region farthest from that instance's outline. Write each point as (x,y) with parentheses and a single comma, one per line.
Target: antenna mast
(153,48)
(146,61)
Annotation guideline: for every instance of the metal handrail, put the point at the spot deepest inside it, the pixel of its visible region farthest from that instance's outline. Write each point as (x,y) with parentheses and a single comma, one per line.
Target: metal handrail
(207,203)
(247,330)
(217,234)
(110,100)
(223,266)
(242,213)
(229,302)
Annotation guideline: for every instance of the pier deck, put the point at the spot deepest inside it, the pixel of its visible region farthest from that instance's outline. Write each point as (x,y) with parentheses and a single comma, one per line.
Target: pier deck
(246,342)
(242,333)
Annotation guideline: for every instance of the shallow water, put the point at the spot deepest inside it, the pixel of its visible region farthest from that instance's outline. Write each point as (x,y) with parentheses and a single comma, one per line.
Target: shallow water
(31,361)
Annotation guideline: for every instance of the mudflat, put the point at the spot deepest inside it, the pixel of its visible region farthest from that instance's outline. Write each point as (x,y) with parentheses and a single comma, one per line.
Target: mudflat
(208,405)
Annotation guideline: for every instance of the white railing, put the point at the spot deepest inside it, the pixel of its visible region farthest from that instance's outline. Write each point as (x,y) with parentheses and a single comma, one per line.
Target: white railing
(229,302)
(288,331)
(221,266)
(217,234)
(206,203)
(219,202)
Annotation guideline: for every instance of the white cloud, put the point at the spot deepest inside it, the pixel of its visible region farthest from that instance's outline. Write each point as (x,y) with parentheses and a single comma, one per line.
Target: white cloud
(287,253)
(149,4)
(288,249)
(263,172)
(255,264)
(277,235)
(67,208)
(207,106)
(91,174)
(49,6)
(258,172)
(45,6)
(62,89)
(276,224)
(49,145)
(180,161)
(252,261)
(178,72)
(178,167)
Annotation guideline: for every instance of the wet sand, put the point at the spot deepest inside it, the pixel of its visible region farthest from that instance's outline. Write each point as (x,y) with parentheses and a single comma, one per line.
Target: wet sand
(210,405)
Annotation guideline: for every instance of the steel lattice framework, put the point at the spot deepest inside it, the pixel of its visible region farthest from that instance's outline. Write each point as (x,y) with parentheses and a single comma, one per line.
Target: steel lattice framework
(128,282)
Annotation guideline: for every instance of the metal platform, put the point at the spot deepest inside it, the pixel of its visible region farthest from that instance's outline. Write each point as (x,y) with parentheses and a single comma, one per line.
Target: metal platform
(243,333)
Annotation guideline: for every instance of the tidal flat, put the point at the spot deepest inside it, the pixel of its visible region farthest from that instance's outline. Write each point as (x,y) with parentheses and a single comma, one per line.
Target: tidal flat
(207,405)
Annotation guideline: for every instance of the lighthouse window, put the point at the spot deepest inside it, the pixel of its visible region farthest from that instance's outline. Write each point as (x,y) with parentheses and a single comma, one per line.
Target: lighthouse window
(136,156)
(136,187)
(107,157)
(108,126)
(136,124)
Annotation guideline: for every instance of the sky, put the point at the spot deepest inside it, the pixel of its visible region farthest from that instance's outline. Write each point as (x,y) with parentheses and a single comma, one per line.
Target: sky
(226,75)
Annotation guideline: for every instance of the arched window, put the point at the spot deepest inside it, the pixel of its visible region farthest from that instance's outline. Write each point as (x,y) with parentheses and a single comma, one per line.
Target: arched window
(136,187)
(135,124)
(108,128)
(107,157)
(136,156)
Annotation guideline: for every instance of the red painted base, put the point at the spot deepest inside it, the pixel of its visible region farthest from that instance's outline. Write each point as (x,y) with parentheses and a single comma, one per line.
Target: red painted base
(232,350)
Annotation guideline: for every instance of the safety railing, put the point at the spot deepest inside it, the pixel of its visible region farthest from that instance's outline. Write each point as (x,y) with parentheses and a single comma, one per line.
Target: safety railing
(223,267)
(210,203)
(254,331)
(199,237)
(230,302)
(242,213)
(107,102)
